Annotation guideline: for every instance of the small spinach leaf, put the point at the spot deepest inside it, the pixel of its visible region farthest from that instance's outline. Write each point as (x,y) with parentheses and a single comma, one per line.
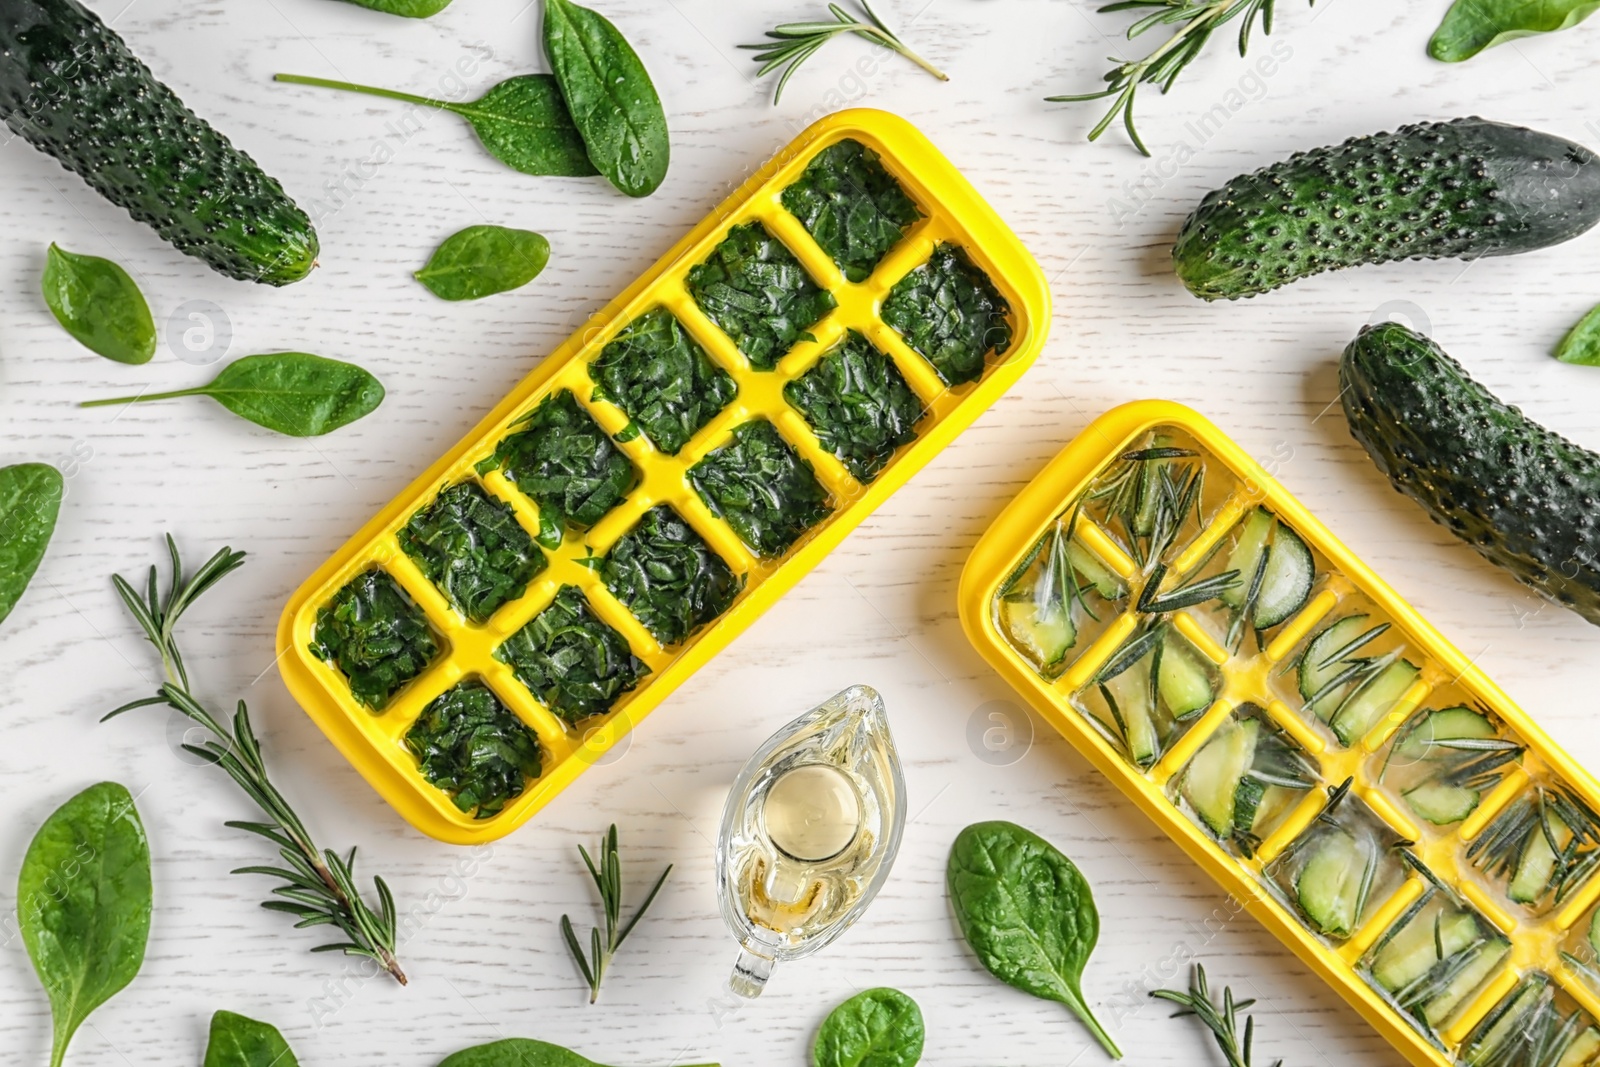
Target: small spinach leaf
(610,95)
(522,121)
(759,485)
(575,664)
(473,747)
(237,1041)
(851,206)
(96,302)
(373,632)
(1028,914)
(293,393)
(471,546)
(483,260)
(759,294)
(30,501)
(83,902)
(657,373)
(951,314)
(522,1052)
(1470,26)
(666,574)
(877,1028)
(1581,345)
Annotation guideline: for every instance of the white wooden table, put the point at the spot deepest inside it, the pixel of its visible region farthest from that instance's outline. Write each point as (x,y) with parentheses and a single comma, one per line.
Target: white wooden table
(483,951)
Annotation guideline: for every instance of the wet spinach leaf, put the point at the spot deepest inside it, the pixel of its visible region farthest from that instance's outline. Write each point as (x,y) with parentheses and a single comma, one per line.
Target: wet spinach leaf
(858,404)
(97,303)
(754,289)
(1581,345)
(610,95)
(758,484)
(877,1028)
(480,261)
(565,463)
(522,121)
(238,1041)
(473,747)
(30,502)
(411,9)
(373,632)
(657,373)
(1470,26)
(951,314)
(83,904)
(293,393)
(522,1052)
(1028,914)
(572,661)
(471,546)
(852,207)
(666,574)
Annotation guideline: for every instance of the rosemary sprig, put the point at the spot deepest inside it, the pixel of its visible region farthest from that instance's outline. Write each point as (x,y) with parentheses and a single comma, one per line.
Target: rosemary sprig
(1196,20)
(1222,1020)
(607,877)
(319,887)
(795,42)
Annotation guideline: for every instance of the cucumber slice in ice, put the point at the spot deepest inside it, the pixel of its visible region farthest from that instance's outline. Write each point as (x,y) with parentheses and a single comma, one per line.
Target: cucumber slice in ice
(1286,585)
(1537,864)
(1583,1050)
(1440,803)
(1321,662)
(1412,952)
(1505,1024)
(1445,724)
(1131,691)
(1045,632)
(1149,489)
(1442,1008)
(1184,682)
(1254,533)
(1211,784)
(1372,701)
(1594,934)
(1106,582)
(1332,882)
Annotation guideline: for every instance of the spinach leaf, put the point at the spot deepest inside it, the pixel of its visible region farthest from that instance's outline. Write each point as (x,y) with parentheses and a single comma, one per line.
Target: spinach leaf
(1470,26)
(565,463)
(522,1052)
(571,660)
(83,903)
(96,302)
(522,121)
(851,206)
(373,632)
(1581,345)
(877,1028)
(292,393)
(30,501)
(411,9)
(657,373)
(475,748)
(237,1041)
(483,260)
(754,289)
(610,95)
(471,546)
(760,486)
(666,574)
(1027,913)
(951,314)
(858,404)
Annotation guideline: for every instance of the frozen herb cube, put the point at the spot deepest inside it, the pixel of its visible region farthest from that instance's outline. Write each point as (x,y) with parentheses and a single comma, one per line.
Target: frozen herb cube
(759,294)
(473,747)
(373,632)
(574,663)
(662,378)
(761,487)
(951,314)
(565,463)
(858,404)
(471,546)
(851,206)
(668,576)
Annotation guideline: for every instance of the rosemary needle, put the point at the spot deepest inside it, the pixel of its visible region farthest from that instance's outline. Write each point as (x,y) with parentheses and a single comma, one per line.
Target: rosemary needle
(319,887)
(1222,1020)
(795,42)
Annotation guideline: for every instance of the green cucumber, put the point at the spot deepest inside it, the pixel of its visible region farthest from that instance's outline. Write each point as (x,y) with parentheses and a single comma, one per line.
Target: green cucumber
(1046,632)
(1148,490)
(1286,585)
(1131,691)
(1440,803)
(1536,866)
(1332,883)
(1583,1050)
(1521,496)
(1506,1023)
(1212,783)
(1444,724)
(1245,558)
(1412,952)
(1323,660)
(71,87)
(1486,957)
(1105,581)
(1362,710)
(1461,189)
(1183,681)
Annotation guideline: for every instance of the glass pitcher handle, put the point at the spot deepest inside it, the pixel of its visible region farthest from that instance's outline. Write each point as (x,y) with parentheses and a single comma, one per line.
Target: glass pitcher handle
(750,973)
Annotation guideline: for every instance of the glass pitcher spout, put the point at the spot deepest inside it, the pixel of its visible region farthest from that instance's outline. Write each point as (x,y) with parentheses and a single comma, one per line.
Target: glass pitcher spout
(809,833)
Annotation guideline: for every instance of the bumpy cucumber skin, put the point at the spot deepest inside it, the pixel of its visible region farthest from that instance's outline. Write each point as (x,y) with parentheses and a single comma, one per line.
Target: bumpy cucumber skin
(71,87)
(1459,189)
(1527,499)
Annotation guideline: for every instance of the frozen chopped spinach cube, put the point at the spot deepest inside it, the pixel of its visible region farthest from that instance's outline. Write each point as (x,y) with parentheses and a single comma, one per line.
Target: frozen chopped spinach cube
(761,486)
(472,548)
(657,373)
(852,207)
(572,661)
(473,747)
(951,314)
(668,576)
(754,289)
(373,632)
(858,404)
(563,460)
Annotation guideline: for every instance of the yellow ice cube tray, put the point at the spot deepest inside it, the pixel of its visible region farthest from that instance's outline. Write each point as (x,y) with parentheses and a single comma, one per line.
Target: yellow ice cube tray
(1524,957)
(953,212)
